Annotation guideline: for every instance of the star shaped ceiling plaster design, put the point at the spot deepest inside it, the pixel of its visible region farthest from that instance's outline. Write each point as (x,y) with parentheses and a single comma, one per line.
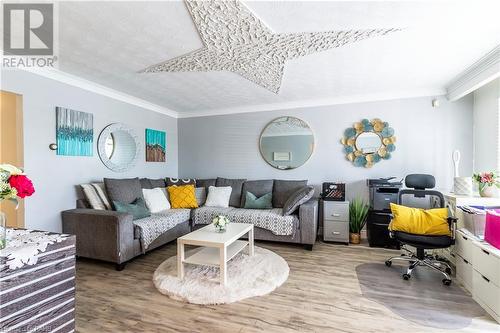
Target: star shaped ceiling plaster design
(237,41)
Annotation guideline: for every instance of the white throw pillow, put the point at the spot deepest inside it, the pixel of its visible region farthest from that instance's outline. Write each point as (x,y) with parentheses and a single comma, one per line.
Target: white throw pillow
(164,190)
(155,200)
(218,196)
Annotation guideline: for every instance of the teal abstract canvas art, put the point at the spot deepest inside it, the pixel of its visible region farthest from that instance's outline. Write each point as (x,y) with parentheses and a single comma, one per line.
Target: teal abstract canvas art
(74,132)
(156,145)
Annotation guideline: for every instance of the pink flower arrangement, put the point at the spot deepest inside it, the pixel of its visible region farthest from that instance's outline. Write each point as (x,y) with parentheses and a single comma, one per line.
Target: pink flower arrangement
(14,184)
(23,185)
(486,178)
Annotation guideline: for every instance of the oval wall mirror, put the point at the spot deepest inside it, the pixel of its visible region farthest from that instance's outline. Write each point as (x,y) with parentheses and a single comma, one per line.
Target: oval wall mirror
(118,147)
(368,142)
(286,143)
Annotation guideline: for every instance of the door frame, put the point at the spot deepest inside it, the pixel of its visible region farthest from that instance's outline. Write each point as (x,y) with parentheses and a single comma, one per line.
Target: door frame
(19,159)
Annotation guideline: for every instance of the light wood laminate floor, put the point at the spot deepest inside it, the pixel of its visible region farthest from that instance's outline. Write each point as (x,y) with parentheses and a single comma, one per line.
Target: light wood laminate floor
(322,294)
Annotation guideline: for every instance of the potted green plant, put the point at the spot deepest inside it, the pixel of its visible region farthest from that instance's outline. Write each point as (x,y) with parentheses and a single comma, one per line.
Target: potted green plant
(358,211)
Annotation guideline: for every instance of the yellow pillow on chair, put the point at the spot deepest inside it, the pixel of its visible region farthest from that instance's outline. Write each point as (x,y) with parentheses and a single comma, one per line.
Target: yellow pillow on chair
(430,222)
(182,196)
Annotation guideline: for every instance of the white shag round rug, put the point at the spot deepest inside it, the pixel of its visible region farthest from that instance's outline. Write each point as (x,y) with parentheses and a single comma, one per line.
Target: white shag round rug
(247,276)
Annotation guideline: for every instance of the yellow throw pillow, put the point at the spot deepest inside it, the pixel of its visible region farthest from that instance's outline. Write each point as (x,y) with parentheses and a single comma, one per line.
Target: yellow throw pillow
(431,222)
(182,196)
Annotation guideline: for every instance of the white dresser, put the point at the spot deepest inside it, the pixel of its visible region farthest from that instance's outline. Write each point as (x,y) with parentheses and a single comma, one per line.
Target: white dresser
(478,270)
(336,221)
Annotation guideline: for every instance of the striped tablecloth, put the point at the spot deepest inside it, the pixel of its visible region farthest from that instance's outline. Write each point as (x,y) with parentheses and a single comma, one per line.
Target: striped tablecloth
(37,282)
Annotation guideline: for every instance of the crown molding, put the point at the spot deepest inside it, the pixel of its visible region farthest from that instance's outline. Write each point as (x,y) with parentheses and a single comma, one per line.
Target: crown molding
(76,81)
(315,103)
(79,82)
(480,73)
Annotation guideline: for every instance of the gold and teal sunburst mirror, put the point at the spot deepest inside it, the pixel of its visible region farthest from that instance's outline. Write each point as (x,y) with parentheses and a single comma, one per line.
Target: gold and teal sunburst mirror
(368,142)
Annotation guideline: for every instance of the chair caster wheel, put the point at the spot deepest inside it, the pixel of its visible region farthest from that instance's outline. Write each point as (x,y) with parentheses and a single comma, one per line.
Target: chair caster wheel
(388,263)
(448,270)
(406,276)
(446,282)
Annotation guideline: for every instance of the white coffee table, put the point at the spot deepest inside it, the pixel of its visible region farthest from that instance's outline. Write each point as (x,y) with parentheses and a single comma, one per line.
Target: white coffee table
(218,249)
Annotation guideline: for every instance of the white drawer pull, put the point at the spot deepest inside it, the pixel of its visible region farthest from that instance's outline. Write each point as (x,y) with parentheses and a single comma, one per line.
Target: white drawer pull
(336,233)
(335,215)
(485,278)
(486,252)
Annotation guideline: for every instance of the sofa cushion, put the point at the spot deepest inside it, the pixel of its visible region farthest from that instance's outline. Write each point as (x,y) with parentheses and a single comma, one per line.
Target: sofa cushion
(283,189)
(236,185)
(206,183)
(302,195)
(145,183)
(123,190)
(160,182)
(262,202)
(269,219)
(256,187)
(150,228)
(137,209)
(179,182)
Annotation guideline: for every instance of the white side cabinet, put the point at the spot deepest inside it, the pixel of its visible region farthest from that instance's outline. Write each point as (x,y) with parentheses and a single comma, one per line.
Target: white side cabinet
(453,201)
(336,221)
(478,269)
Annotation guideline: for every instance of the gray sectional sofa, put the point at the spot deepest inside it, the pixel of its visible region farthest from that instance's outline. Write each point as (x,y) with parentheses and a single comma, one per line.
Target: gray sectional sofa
(112,236)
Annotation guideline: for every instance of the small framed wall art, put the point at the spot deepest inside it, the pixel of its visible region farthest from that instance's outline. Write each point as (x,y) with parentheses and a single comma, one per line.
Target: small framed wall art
(74,132)
(156,145)
(282,156)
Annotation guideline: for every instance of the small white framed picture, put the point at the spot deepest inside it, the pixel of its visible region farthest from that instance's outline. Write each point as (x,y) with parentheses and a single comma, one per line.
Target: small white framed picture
(282,156)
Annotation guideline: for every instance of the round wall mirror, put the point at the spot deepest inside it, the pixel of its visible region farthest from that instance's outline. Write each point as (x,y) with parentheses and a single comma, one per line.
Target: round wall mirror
(286,143)
(109,149)
(118,147)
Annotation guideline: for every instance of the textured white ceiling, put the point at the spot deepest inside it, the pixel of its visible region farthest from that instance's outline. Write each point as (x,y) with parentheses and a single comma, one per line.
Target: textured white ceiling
(110,42)
(235,40)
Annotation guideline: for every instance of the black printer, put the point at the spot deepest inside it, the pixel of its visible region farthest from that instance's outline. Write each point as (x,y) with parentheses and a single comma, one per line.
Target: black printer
(383,191)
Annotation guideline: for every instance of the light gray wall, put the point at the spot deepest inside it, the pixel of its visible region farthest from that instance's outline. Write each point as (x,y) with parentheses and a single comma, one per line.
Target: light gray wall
(55,176)
(426,137)
(487,127)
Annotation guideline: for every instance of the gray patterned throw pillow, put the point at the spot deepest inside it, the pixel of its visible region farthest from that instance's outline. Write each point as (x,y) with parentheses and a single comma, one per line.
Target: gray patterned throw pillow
(300,196)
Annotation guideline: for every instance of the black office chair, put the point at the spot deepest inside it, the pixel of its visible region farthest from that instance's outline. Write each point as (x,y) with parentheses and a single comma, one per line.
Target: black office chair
(417,185)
